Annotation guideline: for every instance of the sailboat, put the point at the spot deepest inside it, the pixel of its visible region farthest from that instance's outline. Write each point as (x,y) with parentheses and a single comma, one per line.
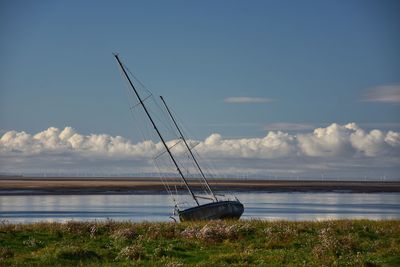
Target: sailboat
(217,205)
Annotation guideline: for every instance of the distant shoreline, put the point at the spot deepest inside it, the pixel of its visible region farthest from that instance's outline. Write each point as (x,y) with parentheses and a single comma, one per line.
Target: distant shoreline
(127,185)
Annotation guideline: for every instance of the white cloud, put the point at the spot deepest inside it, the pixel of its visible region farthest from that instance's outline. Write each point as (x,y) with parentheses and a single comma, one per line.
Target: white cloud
(384,94)
(274,145)
(393,139)
(348,140)
(329,141)
(333,140)
(56,141)
(340,148)
(247,100)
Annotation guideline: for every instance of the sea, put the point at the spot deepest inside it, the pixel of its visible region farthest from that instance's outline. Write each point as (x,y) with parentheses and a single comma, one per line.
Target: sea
(292,206)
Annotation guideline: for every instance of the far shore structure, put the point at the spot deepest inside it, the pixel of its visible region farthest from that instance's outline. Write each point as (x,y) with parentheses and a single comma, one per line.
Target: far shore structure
(218,206)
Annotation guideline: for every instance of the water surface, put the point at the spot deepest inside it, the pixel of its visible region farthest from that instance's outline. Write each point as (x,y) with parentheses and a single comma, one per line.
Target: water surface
(270,206)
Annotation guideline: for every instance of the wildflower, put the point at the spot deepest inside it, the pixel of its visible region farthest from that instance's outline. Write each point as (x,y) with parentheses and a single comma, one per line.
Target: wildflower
(131,252)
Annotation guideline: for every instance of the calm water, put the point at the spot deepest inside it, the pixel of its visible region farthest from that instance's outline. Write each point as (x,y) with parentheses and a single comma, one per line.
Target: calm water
(270,206)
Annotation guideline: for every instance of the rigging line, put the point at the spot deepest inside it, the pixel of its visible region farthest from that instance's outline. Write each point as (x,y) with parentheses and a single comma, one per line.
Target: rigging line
(166,186)
(191,169)
(167,127)
(165,118)
(211,170)
(142,131)
(171,147)
(189,159)
(171,195)
(141,121)
(184,140)
(145,131)
(166,181)
(187,132)
(128,96)
(205,162)
(137,104)
(137,79)
(182,124)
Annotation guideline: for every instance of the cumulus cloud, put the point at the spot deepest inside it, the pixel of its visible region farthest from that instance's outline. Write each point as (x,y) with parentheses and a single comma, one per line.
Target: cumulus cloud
(333,140)
(54,140)
(347,140)
(383,94)
(247,100)
(335,147)
(274,145)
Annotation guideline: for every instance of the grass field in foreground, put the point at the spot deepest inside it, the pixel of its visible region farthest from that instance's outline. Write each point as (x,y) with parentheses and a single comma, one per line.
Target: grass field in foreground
(218,243)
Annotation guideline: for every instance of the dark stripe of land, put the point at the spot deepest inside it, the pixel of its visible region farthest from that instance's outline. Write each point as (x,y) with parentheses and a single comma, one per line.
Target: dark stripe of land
(127,185)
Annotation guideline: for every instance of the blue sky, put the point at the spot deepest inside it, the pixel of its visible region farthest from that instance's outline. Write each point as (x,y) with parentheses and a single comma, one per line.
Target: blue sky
(319,62)
(315,58)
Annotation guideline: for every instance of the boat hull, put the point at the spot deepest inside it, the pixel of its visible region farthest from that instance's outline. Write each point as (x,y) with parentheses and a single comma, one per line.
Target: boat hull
(213,211)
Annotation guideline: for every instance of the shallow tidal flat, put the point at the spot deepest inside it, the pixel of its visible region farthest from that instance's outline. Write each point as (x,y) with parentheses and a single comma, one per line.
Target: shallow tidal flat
(218,243)
(120,185)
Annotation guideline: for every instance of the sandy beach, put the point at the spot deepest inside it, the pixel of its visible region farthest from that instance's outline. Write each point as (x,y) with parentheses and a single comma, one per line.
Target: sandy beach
(127,185)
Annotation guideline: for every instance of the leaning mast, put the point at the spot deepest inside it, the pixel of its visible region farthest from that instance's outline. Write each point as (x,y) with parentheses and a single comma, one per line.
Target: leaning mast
(156,129)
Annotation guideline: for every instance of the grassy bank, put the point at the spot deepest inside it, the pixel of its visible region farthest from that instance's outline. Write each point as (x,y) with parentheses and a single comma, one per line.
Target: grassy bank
(258,243)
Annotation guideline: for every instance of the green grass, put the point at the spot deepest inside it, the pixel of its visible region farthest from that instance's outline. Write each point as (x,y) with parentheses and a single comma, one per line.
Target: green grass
(218,243)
